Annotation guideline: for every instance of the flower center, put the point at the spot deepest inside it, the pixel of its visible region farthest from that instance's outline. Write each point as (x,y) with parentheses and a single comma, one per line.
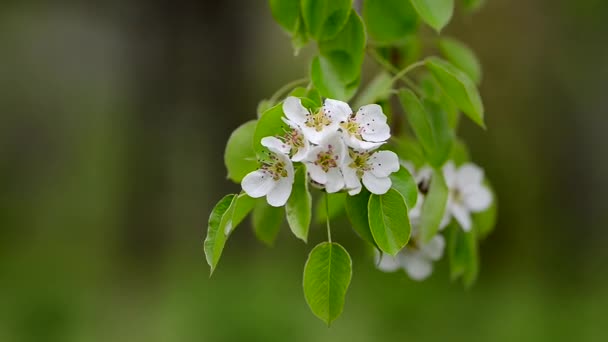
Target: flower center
(360,162)
(318,120)
(327,160)
(294,139)
(352,128)
(276,168)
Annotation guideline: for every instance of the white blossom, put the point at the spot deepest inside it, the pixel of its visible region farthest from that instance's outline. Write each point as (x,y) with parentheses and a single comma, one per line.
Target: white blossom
(299,146)
(373,168)
(316,127)
(324,163)
(367,129)
(275,178)
(467,194)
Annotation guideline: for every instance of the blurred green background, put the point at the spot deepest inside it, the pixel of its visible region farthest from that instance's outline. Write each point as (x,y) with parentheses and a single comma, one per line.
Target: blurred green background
(113,119)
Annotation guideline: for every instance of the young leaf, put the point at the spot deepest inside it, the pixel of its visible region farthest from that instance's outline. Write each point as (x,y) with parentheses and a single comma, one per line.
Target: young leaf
(418,119)
(436,13)
(458,87)
(388,221)
(462,57)
(286,13)
(239,156)
(299,206)
(389,21)
(433,207)
(460,153)
(377,90)
(405,184)
(463,253)
(220,221)
(443,135)
(325,18)
(410,150)
(328,82)
(242,207)
(327,275)
(266,221)
(336,207)
(269,124)
(356,209)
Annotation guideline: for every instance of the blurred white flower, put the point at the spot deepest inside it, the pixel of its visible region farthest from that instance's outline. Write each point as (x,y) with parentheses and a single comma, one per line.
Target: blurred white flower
(373,168)
(275,178)
(467,194)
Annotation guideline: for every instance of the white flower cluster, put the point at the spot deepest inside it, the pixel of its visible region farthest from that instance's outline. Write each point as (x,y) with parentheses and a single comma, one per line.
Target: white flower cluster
(337,146)
(466,194)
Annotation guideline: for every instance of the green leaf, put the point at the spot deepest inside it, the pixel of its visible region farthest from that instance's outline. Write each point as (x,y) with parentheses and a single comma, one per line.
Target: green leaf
(462,57)
(220,221)
(436,13)
(266,221)
(458,87)
(327,275)
(286,13)
(239,156)
(460,153)
(336,207)
(356,209)
(433,207)
(409,149)
(485,221)
(388,221)
(299,38)
(325,18)
(430,124)
(473,5)
(406,185)
(242,207)
(389,21)
(463,254)
(377,90)
(328,82)
(299,206)
(432,90)
(269,124)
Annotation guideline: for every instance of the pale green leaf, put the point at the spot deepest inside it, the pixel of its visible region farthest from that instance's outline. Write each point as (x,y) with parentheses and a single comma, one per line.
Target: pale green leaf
(266,221)
(325,18)
(242,207)
(434,207)
(239,156)
(463,254)
(269,124)
(356,209)
(328,82)
(220,220)
(462,57)
(458,87)
(299,206)
(377,90)
(388,221)
(327,275)
(389,21)
(436,13)
(336,207)
(406,185)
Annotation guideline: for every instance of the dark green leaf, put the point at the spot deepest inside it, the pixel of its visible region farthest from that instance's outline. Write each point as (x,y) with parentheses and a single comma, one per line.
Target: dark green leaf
(239,157)
(328,82)
(473,5)
(433,207)
(266,221)
(299,206)
(286,13)
(388,221)
(356,209)
(325,18)
(463,254)
(462,57)
(389,21)
(458,87)
(443,135)
(405,184)
(436,13)
(220,221)
(327,275)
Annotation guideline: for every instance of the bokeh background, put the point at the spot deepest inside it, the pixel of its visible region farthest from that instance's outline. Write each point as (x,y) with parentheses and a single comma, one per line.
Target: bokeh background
(113,119)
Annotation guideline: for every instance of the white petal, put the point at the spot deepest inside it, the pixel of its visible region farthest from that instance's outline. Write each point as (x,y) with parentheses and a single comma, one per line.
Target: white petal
(316,173)
(461,214)
(376,185)
(355,191)
(384,163)
(450,175)
(370,113)
(351,180)
(317,137)
(414,213)
(337,110)
(469,174)
(294,111)
(478,200)
(275,145)
(360,145)
(278,196)
(386,262)
(376,131)
(417,266)
(335,181)
(434,249)
(257,183)
(302,152)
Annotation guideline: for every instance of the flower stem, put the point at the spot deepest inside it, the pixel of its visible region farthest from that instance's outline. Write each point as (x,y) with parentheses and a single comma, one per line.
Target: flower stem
(399,74)
(284,89)
(327,216)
